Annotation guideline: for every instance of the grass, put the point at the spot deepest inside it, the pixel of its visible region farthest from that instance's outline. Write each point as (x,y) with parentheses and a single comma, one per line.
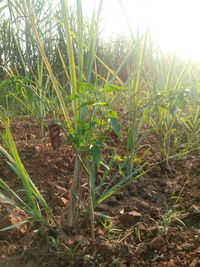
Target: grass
(34,200)
(97,86)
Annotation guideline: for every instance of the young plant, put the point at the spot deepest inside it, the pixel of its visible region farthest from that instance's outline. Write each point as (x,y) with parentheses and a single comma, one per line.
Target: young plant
(34,204)
(164,112)
(78,103)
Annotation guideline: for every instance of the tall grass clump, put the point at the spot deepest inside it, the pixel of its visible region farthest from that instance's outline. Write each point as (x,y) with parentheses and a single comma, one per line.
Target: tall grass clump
(80,124)
(34,205)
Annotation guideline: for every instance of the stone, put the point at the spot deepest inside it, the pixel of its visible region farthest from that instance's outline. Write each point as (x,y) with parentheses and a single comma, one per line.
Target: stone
(11,215)
(179,248)
(103,207)
(143,206)
(161,200)
(187,246)
(156,171)
(157,243)
(130,218)
(171,246)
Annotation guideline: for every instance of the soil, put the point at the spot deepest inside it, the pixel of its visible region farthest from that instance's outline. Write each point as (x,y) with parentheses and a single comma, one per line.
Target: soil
(154,221)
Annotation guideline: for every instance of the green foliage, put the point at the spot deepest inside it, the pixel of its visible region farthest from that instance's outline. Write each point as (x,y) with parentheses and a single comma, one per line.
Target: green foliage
(53,60)
(34,200)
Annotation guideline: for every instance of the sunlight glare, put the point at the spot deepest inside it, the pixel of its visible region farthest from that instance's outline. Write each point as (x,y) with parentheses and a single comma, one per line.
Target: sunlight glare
(174,24)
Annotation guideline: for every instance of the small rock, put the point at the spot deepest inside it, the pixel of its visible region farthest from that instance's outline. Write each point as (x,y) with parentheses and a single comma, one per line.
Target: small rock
(143,206)
(187,247)
(157,243)
(156,170)
(103,207)
(87,258)
(161,200)
(130,218)
(171,246)
(179,248)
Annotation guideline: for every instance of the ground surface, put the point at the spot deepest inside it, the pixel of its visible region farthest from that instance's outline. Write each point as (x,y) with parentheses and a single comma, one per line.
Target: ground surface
(138,235)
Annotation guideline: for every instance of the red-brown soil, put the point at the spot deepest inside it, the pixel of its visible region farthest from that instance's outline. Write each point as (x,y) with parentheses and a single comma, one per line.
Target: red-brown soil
(140,232)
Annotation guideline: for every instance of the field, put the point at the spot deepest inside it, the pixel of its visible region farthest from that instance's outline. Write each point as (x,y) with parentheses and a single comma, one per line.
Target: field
(99,147)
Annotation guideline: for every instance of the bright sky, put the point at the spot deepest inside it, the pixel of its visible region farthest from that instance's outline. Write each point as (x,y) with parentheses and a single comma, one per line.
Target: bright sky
(174,24)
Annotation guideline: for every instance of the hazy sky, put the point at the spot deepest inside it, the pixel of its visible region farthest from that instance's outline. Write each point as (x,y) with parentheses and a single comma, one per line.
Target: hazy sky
(174,24)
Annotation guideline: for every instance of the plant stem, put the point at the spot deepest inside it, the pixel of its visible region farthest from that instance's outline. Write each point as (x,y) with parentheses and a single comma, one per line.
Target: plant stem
(75,188)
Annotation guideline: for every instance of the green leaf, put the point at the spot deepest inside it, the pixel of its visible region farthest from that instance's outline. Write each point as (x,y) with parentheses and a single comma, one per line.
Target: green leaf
(13,226)
(5,83)
(113,88)
(73,96)
(82,87)
(115,126)
(96,154)
(147,115)
(113,114)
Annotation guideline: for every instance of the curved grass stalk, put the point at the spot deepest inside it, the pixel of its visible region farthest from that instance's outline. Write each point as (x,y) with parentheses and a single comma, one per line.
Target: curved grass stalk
(34,197)
(181,74)
(72,67)
(48,66)
(135,127)
(63,63)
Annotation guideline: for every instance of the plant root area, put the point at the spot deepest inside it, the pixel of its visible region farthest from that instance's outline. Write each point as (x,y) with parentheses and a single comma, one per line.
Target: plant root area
(153,221)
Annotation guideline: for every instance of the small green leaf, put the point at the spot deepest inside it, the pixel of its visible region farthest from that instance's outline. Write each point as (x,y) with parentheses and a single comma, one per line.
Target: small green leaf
(5,83)
(115,126)
(13,226)
(147,115)
(73,96)
(96,154)
(85,87)
(113,88)
(113,114)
